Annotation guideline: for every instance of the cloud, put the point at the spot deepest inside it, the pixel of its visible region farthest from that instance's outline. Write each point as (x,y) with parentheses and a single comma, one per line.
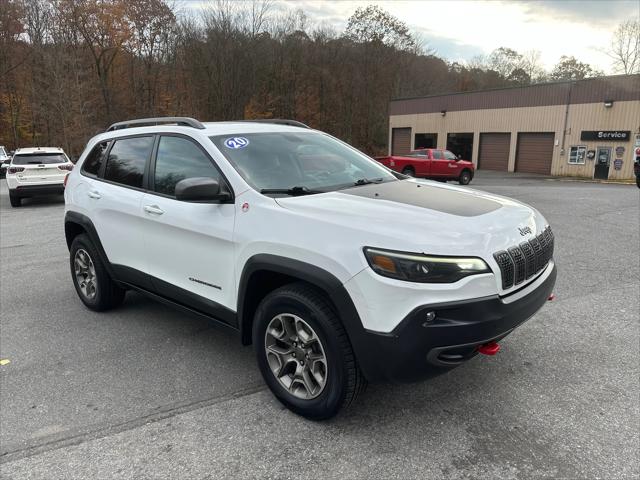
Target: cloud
(609,12)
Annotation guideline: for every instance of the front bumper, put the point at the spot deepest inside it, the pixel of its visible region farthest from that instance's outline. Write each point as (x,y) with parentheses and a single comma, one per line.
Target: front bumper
(26,191)
(417,349)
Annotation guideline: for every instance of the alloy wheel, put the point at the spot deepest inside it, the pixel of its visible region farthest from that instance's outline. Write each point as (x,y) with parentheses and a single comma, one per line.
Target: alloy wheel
(85,273)
(296,356)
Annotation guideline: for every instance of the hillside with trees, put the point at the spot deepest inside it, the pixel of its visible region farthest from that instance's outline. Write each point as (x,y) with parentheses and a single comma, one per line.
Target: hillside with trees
(69,68)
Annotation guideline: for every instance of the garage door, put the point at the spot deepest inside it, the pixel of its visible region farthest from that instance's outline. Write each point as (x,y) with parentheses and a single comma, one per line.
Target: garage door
(534,153)
(494,151)
(400,141)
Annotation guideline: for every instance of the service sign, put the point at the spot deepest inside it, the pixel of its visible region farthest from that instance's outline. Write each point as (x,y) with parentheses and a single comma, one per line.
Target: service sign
(614,135)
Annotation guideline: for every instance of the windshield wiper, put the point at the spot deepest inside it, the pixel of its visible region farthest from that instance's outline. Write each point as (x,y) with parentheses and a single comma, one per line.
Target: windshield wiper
(367,181)
(293,191)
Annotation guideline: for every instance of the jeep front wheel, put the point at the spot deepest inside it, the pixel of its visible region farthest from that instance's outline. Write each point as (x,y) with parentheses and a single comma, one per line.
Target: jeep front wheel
(304,354)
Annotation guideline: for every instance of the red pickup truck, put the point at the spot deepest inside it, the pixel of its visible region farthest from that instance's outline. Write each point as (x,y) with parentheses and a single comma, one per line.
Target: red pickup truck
(431,163)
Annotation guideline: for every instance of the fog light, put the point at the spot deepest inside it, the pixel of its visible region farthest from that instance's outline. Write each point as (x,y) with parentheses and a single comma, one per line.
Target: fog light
(430,316)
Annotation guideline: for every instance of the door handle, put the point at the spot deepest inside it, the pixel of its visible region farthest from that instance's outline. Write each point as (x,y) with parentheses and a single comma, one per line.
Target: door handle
(94,194)
(153,209)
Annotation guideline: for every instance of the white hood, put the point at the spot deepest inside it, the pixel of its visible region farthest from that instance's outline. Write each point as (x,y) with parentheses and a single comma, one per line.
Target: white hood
(423,216)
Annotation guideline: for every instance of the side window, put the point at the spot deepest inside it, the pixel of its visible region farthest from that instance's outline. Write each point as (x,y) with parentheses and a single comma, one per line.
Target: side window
(93,162)
(127,159)
(449,156)
(177,159)
(437,154)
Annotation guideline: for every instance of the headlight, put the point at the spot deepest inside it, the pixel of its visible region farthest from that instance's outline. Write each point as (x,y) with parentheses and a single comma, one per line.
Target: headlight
(423,268)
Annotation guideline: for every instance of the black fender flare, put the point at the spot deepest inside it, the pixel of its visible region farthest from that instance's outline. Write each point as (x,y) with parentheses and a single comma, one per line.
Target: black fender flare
(71,219)
(320,278)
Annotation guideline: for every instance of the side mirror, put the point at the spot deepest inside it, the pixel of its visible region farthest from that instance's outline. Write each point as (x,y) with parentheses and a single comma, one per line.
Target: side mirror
(458,157)
(202,190)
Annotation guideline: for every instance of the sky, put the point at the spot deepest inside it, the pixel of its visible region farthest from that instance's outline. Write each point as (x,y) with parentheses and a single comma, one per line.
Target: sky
(459,30)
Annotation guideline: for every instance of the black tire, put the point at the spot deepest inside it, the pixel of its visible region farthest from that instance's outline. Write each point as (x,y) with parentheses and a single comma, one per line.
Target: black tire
(409,172)
(344,380)
(15,200)
(465,177)
(107,294)
(638,181)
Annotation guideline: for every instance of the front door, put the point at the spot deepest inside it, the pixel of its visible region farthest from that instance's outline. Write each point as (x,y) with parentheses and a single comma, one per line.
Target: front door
(603,159)
(189,246)
(439,165)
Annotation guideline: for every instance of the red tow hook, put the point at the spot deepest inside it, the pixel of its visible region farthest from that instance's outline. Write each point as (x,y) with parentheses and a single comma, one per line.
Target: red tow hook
(552,297)
(490,348)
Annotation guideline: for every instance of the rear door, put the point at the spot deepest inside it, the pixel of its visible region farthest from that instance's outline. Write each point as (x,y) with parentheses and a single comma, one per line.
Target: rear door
(189,246)
(113,197)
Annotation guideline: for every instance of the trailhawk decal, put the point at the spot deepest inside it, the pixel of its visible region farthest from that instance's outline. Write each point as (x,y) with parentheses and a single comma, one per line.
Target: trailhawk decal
(426,196)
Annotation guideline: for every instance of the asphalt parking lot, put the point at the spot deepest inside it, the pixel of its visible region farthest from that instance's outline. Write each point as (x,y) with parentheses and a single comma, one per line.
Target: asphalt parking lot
(145,392)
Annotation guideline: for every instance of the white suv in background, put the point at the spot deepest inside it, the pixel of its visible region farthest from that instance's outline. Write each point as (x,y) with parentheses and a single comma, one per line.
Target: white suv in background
(337,269)
(37,171)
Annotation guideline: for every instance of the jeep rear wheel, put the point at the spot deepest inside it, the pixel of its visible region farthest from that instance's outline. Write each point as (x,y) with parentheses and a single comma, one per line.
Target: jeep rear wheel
(304,353)
(93,284)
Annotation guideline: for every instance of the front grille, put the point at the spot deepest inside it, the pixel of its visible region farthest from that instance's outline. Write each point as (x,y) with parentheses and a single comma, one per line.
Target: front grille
(522,262)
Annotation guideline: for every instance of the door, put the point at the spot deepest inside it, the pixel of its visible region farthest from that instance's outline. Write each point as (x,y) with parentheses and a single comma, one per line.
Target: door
(189,246)
(439,165)
(400,141)
(534,153)
(603,158)
(114,196)
(494,151)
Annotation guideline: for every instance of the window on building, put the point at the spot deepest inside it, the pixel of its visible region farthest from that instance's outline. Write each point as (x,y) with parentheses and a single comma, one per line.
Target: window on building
(577,155)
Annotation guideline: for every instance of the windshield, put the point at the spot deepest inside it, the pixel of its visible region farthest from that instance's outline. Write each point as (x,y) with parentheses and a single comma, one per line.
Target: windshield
(307,160)
(38,158)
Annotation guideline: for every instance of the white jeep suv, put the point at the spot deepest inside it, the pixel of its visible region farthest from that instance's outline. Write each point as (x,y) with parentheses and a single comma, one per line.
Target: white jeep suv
(338,270)
(37,171)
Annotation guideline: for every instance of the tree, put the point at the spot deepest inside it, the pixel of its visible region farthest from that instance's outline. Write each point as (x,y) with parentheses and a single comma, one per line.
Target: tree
(570,68)
(625,47)
(373,24)
(505,61)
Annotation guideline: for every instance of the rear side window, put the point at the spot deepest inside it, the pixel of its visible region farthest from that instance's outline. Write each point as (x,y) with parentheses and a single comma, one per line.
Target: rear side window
(126,161)
(177,159)
(94,160)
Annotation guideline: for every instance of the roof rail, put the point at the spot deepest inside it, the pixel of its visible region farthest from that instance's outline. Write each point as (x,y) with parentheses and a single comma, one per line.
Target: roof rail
(142,122)
(279,121)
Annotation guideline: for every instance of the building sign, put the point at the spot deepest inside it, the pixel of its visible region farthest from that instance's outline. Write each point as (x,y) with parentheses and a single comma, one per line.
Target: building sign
(619,151)
(617,135)
(617,164)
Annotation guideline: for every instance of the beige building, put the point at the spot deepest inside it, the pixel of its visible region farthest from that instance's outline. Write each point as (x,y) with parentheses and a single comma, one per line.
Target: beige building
(585,128)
